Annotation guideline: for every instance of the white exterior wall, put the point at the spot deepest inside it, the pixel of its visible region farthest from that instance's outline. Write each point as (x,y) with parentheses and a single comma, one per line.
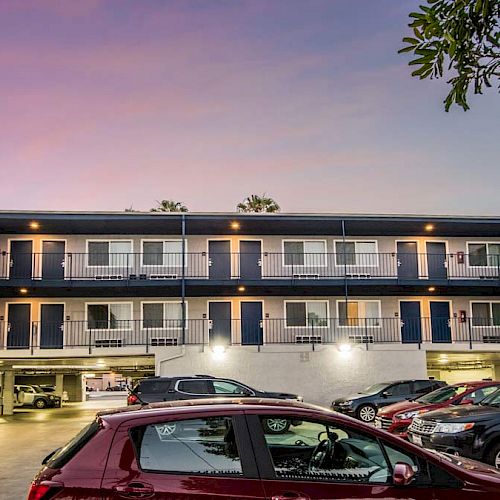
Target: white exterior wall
(319,376)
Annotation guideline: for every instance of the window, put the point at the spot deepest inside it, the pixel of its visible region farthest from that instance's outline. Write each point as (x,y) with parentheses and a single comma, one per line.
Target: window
(110,253)
(202,446)
(153,386)
(109,316)
(310,313)
(193,386)
(224,387)
(356,253)
(162,315)
(484,254)
(486,314)
(166,253)
(310,253)
(359,313)
(422,386)
(325,451)
(479,394)
(403,389)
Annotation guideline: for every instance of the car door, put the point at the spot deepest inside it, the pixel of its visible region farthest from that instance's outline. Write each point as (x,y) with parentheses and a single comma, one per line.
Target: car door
(395,393)
(208,455)
(297,465)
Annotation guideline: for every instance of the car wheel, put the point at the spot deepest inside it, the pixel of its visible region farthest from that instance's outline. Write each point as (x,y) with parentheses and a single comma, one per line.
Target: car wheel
(366,413)
(276,425)
(493,456)
(40,404)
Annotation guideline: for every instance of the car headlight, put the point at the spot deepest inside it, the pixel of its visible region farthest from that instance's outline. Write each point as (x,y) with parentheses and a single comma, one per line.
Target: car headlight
(51,397)
(409,414)
(453,428)
(345,403)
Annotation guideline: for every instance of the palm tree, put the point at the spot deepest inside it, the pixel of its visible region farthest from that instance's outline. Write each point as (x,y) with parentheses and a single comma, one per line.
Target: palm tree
(169,206)
(258,204)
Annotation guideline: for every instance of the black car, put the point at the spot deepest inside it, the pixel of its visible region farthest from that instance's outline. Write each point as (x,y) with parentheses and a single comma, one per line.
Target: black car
(156,389)
(472,431)
(365,404)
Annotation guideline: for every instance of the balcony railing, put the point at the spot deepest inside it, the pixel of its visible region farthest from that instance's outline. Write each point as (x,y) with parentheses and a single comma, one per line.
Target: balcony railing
(118,334)
(247,266)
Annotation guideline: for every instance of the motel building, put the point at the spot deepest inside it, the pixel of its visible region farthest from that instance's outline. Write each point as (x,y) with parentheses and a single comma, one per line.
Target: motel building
(316,304)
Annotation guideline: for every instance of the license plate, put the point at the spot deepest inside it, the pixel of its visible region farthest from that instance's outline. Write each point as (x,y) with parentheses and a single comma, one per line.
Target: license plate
(416,439)
(378,424)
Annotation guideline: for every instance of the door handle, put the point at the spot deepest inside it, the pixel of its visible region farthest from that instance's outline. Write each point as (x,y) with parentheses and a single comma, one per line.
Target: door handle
(288,495)
(135,490)
(209,262)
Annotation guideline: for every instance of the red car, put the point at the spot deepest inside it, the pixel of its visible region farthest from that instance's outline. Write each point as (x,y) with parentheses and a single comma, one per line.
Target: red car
(396,418)
(218,449)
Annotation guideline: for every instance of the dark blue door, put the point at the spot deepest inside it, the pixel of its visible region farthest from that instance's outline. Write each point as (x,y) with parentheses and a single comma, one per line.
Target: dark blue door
(219,255)
(51,326)
(220,323)
(21,259)
(250,260)
(407,260)
(440,321)
(411,325)
(19,326)
(251,323)
(436,260)
(53,260)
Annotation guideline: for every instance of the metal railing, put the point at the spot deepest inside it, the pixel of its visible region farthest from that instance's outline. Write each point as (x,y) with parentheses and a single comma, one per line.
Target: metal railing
(118,334)
(247,266)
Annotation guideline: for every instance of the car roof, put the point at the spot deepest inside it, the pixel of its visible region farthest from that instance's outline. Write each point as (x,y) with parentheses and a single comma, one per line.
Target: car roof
(214,404)
(477,383)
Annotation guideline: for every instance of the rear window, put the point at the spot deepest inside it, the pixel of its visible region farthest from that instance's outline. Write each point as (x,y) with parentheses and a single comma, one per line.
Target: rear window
(152,386)
(193,386)
(63,455)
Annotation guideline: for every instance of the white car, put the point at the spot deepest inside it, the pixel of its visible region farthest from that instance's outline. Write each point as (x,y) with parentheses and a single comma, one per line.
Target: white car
(32,395)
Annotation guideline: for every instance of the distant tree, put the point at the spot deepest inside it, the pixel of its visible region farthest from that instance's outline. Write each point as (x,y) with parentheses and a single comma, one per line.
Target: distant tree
(460,38)
(169,206)
(131,209)
(258,204)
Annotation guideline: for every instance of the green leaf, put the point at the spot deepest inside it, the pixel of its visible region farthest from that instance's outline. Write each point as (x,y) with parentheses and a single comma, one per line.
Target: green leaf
(405,49)
(408,39)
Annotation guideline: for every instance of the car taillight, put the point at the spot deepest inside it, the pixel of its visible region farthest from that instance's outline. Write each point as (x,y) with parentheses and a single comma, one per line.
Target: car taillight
(43,491)
(132,399)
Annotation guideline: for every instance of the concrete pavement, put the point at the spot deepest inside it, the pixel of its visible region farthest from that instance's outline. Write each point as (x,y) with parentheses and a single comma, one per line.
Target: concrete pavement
(30,435)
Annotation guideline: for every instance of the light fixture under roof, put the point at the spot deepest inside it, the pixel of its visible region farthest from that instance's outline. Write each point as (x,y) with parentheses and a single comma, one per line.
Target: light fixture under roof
(34,225)
(23,290)
(429,227)
(241,289)
(432,289)
(235,225)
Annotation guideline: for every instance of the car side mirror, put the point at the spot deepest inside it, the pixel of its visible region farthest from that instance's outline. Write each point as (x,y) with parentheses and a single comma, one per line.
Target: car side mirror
(403,474)
(467,401)
(49,456)
(386,394)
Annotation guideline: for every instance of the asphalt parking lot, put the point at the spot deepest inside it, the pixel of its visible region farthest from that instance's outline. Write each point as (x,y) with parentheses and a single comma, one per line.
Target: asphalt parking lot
(30,435)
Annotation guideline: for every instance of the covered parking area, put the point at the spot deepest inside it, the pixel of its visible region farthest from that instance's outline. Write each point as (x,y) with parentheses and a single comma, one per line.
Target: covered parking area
(69,376)
(453,367)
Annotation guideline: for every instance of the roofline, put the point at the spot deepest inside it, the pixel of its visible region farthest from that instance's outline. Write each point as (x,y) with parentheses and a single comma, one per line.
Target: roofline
(334,215)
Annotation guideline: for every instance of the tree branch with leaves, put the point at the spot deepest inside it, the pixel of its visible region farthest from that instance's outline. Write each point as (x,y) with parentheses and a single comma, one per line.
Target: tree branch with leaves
(258,204)
(459,38)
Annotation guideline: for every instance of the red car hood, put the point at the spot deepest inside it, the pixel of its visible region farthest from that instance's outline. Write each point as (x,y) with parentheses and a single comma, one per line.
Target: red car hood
(391,410)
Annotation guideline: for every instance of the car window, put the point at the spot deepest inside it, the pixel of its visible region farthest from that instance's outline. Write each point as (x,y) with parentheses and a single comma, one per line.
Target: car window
(443,394)
(204,446)
(421,386)
(479,394)
(153,387)
(403,389)
(323,451)
(224,387)
(193,386)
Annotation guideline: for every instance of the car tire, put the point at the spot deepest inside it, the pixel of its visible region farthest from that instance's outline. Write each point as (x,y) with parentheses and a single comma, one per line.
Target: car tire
(366,413)
(275,425)
(40,404)
(493,456)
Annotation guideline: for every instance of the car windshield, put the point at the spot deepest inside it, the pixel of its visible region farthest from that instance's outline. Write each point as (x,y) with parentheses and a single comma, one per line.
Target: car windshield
(37,389)
(493,400)
(443,394)
(373,389)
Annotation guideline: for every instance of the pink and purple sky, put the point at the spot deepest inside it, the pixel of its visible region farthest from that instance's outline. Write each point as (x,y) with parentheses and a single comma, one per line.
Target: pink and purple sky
(108,104)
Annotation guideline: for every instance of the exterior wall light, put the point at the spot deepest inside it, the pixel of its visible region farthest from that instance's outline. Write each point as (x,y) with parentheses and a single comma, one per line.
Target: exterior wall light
(23,290)
(432,289)
(218,352)
(34,225)
(429,227)
(346,347)
(241,289)
(235,225)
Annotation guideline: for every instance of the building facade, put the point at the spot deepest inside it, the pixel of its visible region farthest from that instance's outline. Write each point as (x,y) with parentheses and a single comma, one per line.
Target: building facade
(316,304)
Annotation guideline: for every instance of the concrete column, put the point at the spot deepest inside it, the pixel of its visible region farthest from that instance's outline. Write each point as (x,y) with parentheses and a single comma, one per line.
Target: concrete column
(80,392)
(59,384)
(496,371)
(8,392)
